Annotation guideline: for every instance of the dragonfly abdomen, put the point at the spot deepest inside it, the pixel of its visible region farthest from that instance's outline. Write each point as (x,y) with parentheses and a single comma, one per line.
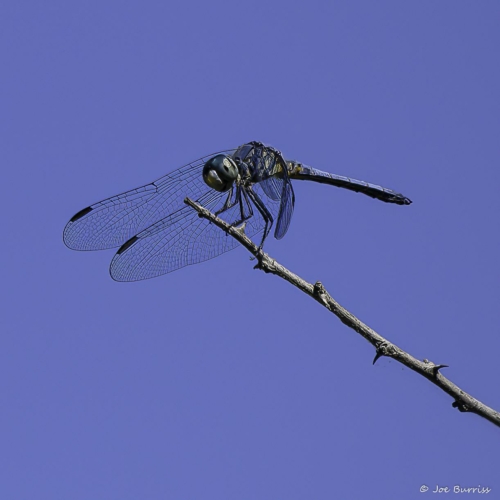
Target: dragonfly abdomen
(305,173)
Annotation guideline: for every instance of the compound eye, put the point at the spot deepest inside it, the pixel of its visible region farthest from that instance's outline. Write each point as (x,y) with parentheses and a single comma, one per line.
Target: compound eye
(229,168)
(226,164)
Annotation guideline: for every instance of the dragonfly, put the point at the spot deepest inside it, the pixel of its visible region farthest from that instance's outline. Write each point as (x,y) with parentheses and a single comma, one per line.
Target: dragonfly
(156,233)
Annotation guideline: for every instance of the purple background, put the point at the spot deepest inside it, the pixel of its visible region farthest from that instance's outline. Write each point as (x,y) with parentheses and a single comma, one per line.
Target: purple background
(218,381)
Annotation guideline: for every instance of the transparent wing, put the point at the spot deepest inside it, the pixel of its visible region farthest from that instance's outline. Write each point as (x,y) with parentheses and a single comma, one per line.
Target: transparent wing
(280,190)
(286,209)
(182,239)
(273,187)
(111,222)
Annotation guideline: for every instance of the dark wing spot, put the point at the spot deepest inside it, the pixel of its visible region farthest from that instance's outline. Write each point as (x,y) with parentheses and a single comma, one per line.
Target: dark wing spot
(81,214)
(127,244)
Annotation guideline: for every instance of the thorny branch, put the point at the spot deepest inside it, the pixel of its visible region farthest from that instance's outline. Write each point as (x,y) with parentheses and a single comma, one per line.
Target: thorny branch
(462,401)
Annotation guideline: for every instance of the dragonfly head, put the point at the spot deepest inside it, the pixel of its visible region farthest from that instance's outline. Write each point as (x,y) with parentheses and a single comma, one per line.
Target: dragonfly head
(220,172)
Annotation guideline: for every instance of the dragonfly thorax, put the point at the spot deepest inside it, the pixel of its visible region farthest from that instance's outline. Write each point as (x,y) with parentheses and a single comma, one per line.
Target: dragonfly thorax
(220,172)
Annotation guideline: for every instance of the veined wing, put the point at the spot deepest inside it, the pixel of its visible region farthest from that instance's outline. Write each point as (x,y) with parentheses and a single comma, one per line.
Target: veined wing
(273,187)
(286,210)
(280,190)
(181,239)
(111,222)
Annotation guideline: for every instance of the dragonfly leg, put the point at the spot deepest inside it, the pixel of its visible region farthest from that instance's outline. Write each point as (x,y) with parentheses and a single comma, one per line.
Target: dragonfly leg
(228,203)
(266,215)
(249,205)
(242,211)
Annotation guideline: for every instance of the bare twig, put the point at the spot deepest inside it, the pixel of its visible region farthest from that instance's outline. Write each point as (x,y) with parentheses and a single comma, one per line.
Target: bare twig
(462,401)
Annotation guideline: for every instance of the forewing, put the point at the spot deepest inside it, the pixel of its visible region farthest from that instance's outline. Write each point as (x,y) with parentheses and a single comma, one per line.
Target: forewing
(180,239)
(111,222)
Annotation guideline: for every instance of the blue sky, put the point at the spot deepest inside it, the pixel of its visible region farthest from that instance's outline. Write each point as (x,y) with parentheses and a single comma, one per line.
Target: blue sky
(218,381)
